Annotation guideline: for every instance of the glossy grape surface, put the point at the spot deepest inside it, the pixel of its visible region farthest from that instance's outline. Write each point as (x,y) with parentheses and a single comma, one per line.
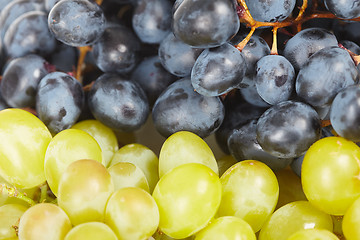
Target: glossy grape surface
(350,223)
(91,231)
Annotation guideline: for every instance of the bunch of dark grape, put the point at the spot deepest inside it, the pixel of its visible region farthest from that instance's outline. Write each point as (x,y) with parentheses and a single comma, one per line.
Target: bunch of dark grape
(186,119)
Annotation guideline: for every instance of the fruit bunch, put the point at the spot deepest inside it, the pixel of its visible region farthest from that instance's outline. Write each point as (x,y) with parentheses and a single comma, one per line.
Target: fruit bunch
(255,106)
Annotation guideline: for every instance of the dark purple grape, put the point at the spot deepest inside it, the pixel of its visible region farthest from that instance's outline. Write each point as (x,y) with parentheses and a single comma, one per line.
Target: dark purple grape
(237,113)
(255,49)
(275,79)
(3,4)
(250,94)
(76,22)
(288,129)
(21,78)
(324,75)
(218,70)
(152,20)
(64,58)
(29,34)
(118,103)
(345,113)
(117,50)
(243,145)
(204,24)
(347,30)
(270,10)
(49,4)
(152,78)
(59,101)
(353,47)
(177,57)
(345,9)
(296,165)
(305,43)
(180,108)
(14,10)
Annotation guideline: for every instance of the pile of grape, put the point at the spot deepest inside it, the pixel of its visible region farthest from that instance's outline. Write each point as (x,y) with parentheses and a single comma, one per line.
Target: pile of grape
(253,106)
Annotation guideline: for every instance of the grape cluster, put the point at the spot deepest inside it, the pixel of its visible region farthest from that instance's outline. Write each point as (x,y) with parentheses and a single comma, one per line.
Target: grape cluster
(256,105)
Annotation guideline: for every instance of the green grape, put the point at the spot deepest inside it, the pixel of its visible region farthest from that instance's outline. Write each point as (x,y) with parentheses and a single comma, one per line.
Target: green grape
(9,217)
(188,197)
(313,234)
(225,163)
(249,191)
(91,231)
(330,174)
(104,135)
(227,228)
(32,193)
(44,221)
(185,147)
(162,236)
(294,217)
(290,189)
(125,174)
(84,188)
(23,142)
(132,213)
(141,156)
(66,147)
(351,222)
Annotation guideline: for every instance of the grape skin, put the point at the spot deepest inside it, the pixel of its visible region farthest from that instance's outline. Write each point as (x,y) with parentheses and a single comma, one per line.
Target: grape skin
(288,129)
(270,11)
(345,9)
(201,23)
(179,107)
(76,22)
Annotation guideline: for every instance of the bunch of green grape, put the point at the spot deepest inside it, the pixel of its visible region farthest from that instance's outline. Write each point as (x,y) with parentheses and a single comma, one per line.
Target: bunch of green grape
(78,184)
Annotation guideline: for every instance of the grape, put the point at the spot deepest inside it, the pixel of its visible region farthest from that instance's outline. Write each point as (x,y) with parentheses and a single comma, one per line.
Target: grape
(177,57)
(51,223)
(270,11)
(250,93)
(21,78)
(59,101)
(313,234)
(345,113)
(201,23)
(64,57)
(127,107)
(152,20)
(288,129)
(329,174)
(293,217)
(243,145)
(224,163)
(142,157)
(105,137)
(9,217)
(66,147)
(353,47)
(152,77)
(305,43)
(262,191)
(132,213)
(275,79)
(255,49)
(344,9)
(84,188)
(14,10)
(185,147)
(76,22)
(29,34)
(91,231)
(350,223)
(218,70)
(185,190)
(237,113)
(117,50)
(318,86)
(180,108)
(23,142)
(161,236)
(125,174)
(227,228)
(290,188)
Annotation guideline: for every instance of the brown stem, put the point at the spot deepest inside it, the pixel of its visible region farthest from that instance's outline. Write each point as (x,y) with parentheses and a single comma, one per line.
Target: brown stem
(325,123)
(302,11)
(99,2)
(82,54)
(243,43)
(274,50)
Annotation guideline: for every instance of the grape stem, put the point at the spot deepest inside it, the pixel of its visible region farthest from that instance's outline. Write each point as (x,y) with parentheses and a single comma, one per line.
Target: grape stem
(43,193)
(80,64)
(13,192)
